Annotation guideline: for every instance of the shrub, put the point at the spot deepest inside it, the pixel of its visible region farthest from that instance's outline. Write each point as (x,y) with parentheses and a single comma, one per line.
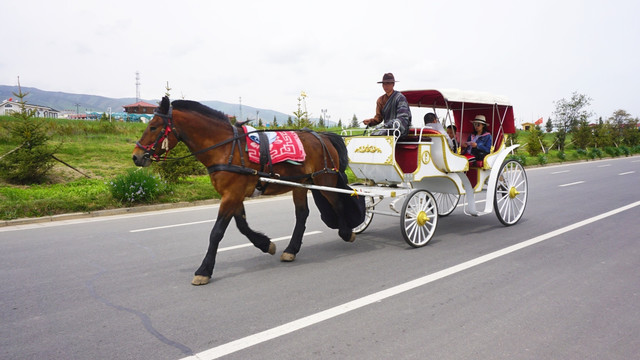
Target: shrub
(581,153)
(613,151)
(562,156)
(542,159)
(625,150)
(137,185)
(174,170)
(522,159)
(595,152)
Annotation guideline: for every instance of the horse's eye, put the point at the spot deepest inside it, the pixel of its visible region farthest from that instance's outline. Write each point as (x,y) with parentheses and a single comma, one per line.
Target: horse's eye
(152,128)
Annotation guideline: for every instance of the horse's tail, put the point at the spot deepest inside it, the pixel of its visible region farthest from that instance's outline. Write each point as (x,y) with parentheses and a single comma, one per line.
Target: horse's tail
(338,143)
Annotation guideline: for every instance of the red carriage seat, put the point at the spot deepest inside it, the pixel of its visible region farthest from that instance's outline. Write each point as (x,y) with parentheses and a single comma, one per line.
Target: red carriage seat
(407,148)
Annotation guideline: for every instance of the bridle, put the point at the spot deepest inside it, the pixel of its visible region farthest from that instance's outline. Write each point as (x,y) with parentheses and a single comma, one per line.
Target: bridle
(162,139)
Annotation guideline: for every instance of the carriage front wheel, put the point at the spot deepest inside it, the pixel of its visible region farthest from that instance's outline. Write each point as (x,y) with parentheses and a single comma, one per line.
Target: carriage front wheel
(511,193)
(419,218)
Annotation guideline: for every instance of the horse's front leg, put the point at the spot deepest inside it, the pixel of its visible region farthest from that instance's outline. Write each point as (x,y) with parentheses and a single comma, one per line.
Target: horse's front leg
(259,240)
(204,272)
(302,213)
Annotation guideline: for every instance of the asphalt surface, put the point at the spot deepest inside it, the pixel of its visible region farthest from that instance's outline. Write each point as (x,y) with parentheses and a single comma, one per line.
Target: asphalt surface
(562,283)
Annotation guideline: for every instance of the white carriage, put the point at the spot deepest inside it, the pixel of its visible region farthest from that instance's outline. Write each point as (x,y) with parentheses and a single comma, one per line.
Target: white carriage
(427,179)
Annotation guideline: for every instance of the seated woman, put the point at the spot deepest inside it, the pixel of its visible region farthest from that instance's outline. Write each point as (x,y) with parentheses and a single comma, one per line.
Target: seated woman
(478,143)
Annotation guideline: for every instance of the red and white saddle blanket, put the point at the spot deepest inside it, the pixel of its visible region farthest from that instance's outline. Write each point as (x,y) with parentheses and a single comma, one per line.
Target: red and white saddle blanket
(283,146)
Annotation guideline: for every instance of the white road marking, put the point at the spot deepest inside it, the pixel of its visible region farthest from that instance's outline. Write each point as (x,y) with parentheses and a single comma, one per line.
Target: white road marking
(170,226)
(248,341)
(560,172)
(571,184)
(627,173)
(604,165)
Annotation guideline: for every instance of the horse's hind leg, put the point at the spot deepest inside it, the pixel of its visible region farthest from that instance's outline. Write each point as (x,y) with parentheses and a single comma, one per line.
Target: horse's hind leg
(344,231)
(302,213)
(259,240)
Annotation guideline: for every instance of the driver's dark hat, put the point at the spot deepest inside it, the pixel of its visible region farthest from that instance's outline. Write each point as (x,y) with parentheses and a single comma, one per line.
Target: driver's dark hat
(387,78)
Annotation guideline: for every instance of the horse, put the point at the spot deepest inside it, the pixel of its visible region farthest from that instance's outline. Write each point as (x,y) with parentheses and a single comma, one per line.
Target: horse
(219,146)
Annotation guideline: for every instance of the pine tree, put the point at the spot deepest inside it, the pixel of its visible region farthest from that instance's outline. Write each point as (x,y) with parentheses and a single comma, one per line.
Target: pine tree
(31,161)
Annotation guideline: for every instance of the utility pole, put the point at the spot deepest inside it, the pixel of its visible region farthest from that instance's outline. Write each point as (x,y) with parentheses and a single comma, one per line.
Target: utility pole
(137,86)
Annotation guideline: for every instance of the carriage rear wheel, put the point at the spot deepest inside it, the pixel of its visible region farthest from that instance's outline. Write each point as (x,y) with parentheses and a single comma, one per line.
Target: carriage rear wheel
(369,207)
(511,193)
(446,202)
(419,218)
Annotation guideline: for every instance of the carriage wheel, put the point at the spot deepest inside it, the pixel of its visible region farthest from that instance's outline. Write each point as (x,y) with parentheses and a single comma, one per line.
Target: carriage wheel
(419,218)
(446,202)
(511,193)
(368,216)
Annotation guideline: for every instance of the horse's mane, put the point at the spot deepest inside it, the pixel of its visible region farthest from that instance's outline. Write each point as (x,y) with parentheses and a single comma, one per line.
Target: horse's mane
(188,105)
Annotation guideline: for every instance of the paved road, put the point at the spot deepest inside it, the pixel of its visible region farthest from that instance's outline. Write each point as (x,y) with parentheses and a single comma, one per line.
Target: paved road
(560,284)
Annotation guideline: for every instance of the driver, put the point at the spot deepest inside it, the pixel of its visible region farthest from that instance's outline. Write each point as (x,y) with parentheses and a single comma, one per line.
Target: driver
(392,108)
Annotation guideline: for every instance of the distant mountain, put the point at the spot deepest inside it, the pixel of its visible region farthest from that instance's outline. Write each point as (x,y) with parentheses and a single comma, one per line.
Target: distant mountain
(80,102)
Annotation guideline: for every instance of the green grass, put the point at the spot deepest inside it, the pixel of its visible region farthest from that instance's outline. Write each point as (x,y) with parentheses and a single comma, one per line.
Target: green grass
(101,151)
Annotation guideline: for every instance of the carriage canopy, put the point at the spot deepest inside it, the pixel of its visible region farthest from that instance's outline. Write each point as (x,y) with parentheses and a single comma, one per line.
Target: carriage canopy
(465,105)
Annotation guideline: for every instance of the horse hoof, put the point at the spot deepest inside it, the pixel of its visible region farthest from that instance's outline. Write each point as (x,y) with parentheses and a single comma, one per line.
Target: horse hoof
(287,257)
(200,280)
(272,248)
(353,237)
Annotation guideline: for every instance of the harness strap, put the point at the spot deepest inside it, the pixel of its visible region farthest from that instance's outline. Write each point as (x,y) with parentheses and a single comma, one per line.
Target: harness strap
(265,153)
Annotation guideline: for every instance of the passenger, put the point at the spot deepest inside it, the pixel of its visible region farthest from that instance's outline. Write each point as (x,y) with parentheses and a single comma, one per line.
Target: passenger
(479,142)
(451,131)
(392,108)
(431,122)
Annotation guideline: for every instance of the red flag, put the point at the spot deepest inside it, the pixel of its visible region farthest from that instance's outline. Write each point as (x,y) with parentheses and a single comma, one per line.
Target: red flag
(10,99)
(539,121)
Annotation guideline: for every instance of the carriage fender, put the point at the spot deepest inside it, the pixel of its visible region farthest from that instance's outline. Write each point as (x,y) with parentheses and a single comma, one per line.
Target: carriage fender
(493,177)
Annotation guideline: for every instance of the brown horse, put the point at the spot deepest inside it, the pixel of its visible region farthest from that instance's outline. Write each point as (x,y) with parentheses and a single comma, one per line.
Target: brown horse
(219,146)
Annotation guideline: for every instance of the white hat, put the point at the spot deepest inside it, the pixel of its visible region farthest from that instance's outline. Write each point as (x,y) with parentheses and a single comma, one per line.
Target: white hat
(480,119)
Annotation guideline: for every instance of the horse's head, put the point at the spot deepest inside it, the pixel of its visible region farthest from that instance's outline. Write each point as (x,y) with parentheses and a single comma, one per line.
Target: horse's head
(155,139)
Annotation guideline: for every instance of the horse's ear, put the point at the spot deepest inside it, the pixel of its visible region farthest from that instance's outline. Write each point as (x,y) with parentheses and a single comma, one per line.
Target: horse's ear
(164,105)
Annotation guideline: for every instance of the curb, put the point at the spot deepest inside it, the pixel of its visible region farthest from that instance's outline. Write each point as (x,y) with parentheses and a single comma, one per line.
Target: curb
(108,212)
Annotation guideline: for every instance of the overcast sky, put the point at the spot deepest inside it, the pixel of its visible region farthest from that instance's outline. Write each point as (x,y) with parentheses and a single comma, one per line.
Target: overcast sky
(267,52)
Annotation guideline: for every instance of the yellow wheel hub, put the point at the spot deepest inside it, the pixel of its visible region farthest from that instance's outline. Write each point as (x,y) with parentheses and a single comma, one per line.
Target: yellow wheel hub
(422,218)
(513,192)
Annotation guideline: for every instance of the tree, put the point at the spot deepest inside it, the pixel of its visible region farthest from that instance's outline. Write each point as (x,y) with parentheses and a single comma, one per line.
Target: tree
(603,135)
(302,116)
(31,161)
(289,122)
(535,144)
(549,125)
(631,133)
(354,122)
(568,114)
(619,120)
(340,123)
(583,136)
(274,124)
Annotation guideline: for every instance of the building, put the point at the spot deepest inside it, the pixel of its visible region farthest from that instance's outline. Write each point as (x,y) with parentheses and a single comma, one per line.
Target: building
(527,126)
(140,107)
(7,107)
